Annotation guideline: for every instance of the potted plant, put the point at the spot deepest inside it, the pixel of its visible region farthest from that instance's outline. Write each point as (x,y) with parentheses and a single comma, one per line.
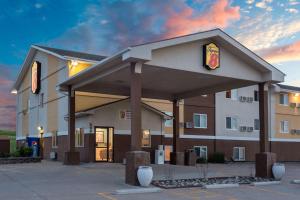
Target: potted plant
(145,175)
(278,170)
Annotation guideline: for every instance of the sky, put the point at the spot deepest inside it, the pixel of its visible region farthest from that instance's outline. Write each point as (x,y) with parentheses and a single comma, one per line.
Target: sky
(270,28)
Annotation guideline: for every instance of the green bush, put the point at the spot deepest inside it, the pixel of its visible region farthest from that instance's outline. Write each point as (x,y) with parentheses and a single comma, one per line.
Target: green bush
(217,157)
(201,160)
(24,152)
(4,155)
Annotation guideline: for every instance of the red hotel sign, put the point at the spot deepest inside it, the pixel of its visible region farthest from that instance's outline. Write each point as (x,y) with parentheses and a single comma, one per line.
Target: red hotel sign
(211,56)
(36,77)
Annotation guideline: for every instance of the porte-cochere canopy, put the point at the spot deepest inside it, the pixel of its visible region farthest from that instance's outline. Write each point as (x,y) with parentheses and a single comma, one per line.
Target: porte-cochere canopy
(174,69)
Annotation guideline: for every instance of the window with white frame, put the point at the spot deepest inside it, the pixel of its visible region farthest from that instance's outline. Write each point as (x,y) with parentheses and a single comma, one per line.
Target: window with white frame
(232,94)
(201,151)
(256,95)
(231,123)
(200,120)
(239,154)
(146,139)
(54,139)
(284,99)
(79,137)
(256,124)
(169,122)
(284,126)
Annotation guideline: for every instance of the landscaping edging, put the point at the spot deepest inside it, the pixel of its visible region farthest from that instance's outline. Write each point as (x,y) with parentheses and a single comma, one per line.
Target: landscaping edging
(16,160)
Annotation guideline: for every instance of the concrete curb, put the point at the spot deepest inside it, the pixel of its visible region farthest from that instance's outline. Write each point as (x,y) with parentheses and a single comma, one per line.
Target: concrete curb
(295,181)
(217,186)
(138,190)
(265,183)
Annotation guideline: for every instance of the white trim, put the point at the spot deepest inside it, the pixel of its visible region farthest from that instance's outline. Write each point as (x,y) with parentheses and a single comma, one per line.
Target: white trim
(127,132)
(186,136)
(285,140)
(20,137)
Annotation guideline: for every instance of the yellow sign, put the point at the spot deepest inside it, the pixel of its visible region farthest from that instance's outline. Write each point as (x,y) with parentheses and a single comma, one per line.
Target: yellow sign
(211,56)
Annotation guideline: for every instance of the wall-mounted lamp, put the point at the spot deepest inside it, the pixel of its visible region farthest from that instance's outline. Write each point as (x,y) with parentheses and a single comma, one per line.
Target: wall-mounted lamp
(40,129)
(14,92)
(296,95)
(74,63)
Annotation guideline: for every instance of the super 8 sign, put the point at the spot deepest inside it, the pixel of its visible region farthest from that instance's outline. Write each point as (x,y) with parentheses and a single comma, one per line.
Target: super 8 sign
(36,77)
(211,56)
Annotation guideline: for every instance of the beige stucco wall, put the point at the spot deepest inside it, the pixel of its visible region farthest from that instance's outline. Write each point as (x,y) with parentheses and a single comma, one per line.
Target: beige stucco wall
(287,113)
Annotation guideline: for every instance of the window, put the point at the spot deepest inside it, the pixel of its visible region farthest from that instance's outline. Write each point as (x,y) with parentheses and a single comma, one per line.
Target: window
(232,94)
(201,151)
(42,100)
(168,149)
(239,154)
(28,106)
(79,137)
(146,139)
(256,125)
(231,123)
(256,95)
(284,126)
(200,120)
(54,139)
(284,99)
(169,122)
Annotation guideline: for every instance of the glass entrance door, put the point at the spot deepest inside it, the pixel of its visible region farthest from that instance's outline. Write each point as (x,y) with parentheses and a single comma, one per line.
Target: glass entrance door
(104,144)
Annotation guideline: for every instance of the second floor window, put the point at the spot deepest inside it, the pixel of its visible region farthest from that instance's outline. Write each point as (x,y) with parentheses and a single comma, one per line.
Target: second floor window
(284,99)
(169,122)
(256,95)
(200,120)
(232,94)
(231,123)
(256,125)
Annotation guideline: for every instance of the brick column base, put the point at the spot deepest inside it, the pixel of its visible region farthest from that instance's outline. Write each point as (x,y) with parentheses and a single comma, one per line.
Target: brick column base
(177,158)
(263,164)
(134,159)
(72,158)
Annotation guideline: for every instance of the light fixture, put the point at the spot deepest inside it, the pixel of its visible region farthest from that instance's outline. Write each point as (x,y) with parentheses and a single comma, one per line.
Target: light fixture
(296,94)
(40,128)
(74,63)
(14,91)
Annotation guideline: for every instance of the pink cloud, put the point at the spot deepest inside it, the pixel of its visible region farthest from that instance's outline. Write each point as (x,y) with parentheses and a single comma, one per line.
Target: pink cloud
(290,52)
(185,22)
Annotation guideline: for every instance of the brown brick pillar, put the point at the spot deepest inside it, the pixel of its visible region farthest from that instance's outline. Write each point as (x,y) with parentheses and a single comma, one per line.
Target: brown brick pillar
(71,156)
(135,157)
(177,158)
(264,159)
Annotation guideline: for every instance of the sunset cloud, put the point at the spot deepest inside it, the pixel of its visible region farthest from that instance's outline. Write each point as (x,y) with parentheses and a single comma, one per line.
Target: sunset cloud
(187,21)
(290,52)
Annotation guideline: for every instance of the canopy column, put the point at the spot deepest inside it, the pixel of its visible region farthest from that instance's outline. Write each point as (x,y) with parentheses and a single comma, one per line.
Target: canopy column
(177,158)
(264,159)
(71,156)
(135,157)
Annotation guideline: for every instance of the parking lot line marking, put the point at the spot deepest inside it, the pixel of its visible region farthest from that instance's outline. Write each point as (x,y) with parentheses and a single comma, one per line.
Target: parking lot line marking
(105,195)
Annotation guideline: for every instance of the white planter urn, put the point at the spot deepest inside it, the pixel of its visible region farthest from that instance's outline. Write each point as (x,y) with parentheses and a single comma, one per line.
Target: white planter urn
(278,170)
(145,175)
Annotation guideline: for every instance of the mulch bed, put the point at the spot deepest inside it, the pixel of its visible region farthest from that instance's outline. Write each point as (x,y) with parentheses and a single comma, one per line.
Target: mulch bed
(16,160)
(200,182)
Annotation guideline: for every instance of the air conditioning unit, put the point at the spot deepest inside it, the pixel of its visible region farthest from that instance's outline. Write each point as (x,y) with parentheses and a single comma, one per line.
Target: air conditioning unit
(239,154)
(243,99)
(188,124)
(249,99)
(295,131)
(249,129)
(243,128)
(53,155)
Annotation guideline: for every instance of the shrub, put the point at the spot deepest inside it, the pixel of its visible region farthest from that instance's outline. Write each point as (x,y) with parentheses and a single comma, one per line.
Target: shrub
(24,152)
(201,160)
(217,157)
(4,155)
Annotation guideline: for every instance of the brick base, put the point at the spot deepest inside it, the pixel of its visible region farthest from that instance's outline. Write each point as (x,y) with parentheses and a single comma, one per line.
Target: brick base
(134,159)
(264,163)
(177,158)
(72,158)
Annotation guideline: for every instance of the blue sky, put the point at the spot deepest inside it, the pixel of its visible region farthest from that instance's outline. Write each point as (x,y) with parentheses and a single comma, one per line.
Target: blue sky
(270,28)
